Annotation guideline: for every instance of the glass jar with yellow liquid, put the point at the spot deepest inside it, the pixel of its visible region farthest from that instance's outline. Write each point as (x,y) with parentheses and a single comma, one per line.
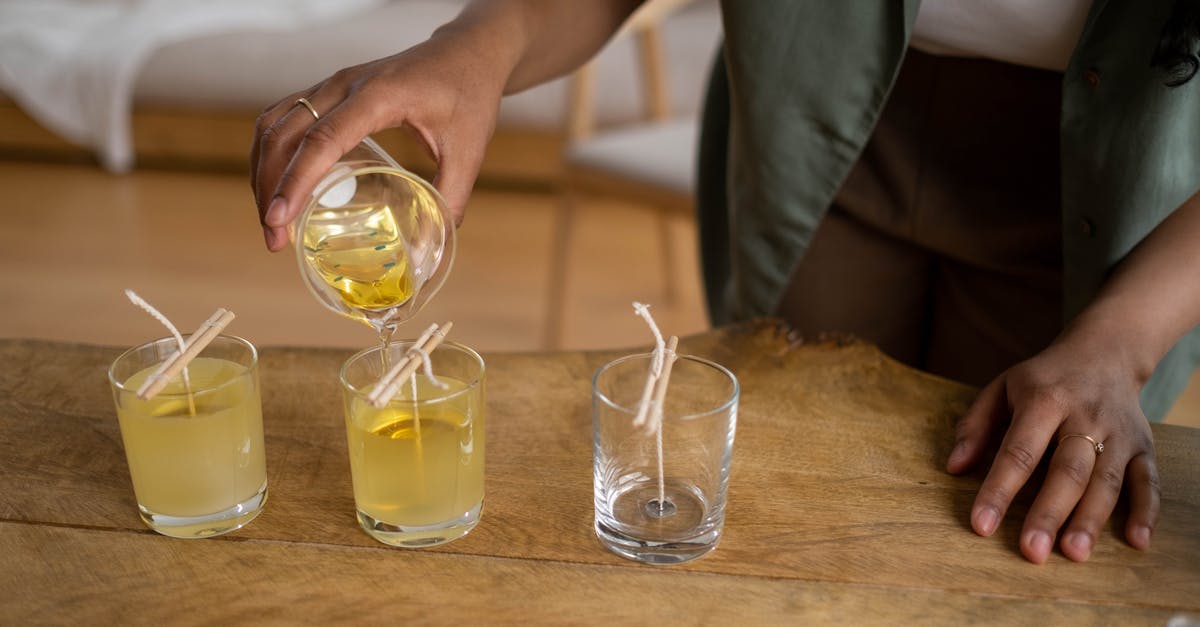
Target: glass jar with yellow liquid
(417,463)
(195,450)
(374,242)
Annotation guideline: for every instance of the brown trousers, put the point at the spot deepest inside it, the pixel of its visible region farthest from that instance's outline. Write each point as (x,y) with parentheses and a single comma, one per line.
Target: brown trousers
(943,245)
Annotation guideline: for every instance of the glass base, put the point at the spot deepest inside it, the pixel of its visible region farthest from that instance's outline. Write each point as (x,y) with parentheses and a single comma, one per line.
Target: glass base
(189,527)
(417,537)
(641,528)
(654,552)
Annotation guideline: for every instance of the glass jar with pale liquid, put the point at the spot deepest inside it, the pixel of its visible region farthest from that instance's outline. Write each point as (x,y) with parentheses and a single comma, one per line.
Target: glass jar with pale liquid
(417,463)
(374,242)
(195,450)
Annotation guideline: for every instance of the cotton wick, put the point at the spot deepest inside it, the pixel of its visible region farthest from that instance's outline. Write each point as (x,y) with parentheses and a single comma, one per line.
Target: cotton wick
(176,363)
(157,315)
(649,409)
(657,359)
(427,368)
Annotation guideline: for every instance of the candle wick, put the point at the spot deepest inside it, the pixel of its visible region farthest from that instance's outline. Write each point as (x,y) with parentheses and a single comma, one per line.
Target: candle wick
(649,415)
(142,304)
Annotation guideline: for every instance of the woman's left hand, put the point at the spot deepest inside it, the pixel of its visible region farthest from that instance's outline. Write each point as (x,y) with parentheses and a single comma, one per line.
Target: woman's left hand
(1044,406)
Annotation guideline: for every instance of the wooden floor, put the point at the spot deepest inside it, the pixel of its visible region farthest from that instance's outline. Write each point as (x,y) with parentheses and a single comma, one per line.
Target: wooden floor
(73,237)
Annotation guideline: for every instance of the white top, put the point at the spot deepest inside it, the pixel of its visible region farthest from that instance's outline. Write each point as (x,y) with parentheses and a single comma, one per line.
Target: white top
(1036,33)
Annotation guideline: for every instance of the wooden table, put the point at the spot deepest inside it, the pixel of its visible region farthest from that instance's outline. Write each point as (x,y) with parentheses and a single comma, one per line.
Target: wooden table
(839,510)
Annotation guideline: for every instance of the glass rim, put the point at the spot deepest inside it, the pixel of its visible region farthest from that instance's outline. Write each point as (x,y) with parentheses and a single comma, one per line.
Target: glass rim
(382,168)
(469,386)
(236,339)
(720,407)
(297,227)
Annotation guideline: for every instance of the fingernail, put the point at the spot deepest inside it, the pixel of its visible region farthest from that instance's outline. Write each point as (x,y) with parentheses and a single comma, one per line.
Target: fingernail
(270,237)
(956,455)
(986,520)
(274,216)
(1139,537)
(1080,544)
(1039,545)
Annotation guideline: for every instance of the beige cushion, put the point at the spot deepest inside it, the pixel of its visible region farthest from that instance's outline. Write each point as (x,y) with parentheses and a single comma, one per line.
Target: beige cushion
(661,154)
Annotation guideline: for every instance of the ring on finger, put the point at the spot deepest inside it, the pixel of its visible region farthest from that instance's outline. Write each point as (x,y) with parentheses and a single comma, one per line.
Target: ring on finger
(307,105)
(1097,445)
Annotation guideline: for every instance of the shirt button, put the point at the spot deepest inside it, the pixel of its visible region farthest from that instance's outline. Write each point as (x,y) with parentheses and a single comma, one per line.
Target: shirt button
(1092,76)
(1086,227)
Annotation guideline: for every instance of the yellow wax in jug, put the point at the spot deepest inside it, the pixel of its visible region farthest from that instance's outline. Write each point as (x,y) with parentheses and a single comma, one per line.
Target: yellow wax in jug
(362,256)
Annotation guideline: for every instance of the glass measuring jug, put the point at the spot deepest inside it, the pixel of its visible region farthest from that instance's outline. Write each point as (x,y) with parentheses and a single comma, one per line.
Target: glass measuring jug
(374,242)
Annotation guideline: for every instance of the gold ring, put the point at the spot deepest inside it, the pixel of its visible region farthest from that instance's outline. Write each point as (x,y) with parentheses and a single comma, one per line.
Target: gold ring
(1097,445)
(307,105)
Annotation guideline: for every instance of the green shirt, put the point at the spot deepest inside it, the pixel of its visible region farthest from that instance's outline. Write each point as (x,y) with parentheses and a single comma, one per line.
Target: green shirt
(800,89)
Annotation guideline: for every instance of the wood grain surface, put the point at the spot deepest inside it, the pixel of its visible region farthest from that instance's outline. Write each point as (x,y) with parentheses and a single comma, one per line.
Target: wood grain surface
(839,510)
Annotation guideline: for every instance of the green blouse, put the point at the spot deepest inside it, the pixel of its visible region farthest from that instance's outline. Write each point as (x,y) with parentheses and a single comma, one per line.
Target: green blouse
(800,89)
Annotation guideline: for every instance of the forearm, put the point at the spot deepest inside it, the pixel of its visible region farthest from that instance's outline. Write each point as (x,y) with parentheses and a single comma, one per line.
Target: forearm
(1153,297)
(533,41)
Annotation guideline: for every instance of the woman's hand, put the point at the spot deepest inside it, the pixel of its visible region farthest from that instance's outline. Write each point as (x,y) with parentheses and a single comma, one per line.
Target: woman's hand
(443,91)
(1087,383)
(1077,387)
(446,91)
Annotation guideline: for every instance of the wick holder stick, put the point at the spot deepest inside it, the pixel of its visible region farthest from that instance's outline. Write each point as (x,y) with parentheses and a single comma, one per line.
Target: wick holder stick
(179,360)
(654,423)
(404,367)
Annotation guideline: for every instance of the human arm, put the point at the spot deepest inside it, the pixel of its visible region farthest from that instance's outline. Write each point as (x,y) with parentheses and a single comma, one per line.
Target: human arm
(446,91)
(1087,382)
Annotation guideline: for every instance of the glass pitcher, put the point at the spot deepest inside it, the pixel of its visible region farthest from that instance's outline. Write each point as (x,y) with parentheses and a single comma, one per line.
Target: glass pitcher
(374,242)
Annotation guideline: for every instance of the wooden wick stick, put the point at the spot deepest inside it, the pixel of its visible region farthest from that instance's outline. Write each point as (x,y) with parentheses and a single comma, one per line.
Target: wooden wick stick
(643,408)
(179,360)
(404,368)
(660,385)
(392,372)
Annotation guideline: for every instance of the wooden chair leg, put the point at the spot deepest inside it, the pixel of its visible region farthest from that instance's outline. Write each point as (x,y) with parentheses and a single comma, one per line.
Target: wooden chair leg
(560,257)
(670,270)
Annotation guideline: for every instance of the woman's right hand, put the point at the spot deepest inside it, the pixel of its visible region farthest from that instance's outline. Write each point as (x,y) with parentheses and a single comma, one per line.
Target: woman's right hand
(444,91)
